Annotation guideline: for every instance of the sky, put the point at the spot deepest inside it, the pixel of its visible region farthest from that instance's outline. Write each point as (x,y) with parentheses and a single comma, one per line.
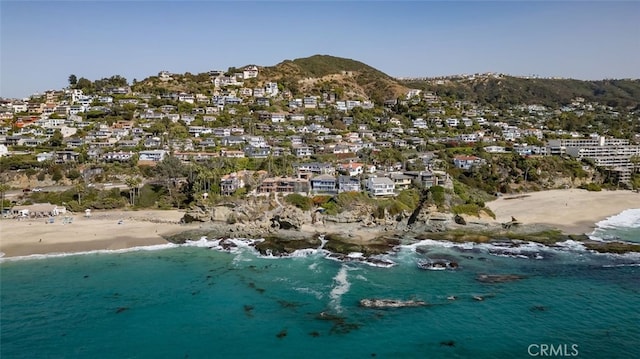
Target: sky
(42,43)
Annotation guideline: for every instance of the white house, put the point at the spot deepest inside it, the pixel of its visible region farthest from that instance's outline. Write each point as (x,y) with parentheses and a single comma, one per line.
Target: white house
(152,155)
(380,186)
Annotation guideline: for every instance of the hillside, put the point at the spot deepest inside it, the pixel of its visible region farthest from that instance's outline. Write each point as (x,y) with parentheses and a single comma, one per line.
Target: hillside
(349,79)
(508,90)
(324,73)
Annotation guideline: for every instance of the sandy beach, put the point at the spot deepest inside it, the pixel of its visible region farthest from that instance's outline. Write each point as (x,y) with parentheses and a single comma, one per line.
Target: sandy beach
(573,211)
(103,230)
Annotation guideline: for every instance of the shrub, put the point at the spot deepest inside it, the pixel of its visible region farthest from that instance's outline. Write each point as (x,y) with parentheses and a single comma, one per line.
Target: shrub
(303,202)
(437,193)
(593,187)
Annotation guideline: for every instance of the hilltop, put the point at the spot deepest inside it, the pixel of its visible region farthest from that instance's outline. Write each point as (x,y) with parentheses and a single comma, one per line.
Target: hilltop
(326,73)
(311,75)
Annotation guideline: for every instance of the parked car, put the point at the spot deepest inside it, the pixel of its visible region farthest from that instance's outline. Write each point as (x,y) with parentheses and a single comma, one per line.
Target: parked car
(37,189)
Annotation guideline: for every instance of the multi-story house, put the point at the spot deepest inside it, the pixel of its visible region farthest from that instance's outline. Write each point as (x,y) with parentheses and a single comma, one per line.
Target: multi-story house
(466,162)
(302,151)
(314,168)
(324,183)
(380,186)
(348,184)
(283,185)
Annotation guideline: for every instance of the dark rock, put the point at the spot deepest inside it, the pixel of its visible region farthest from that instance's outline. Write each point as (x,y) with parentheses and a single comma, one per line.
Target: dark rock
(121,309)
(391,303)
(460,220)
(448,343)
(498,278)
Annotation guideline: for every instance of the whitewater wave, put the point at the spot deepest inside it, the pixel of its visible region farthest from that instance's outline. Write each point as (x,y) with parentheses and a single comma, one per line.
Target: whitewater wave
(629,218)
(97,251)
(341,286)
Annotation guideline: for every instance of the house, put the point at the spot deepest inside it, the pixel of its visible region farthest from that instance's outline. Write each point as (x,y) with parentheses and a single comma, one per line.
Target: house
(38,210)
(466,162)
(380,186)
(257,152)
(302,151)
(283,185)
(232,153)
(145,157)
(355,168)
(250,72)
(117,156)
(401,181)
(315,168)
(348,184)
(231,183)
(323,184)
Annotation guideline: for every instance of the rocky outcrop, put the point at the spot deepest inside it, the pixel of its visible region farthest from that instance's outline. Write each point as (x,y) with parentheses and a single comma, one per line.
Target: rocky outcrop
(288,218)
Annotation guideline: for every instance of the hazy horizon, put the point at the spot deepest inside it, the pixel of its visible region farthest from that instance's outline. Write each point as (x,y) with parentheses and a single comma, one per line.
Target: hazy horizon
(42,43)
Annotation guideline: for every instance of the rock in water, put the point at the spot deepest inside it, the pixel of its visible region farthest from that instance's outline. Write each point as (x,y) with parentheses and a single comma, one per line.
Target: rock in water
(391,303)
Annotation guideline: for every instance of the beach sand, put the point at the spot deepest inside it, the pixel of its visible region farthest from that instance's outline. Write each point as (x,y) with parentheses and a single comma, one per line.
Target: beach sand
(101,231)
(574,211)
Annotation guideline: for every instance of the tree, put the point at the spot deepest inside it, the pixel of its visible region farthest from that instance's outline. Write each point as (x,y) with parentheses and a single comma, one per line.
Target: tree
(3,188)
(635,160)
(73,80)
(169,170)
(134,188)
(56,139)
(84,84)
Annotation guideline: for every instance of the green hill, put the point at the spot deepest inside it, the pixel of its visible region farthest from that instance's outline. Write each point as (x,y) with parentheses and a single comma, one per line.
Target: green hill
(324,73)
(508,90)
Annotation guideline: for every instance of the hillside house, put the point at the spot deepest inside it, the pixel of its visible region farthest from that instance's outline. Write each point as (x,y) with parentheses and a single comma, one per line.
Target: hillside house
(325,184)
(380,186)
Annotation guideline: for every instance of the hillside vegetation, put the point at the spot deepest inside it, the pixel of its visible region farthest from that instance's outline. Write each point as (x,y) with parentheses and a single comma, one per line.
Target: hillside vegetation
(507,90)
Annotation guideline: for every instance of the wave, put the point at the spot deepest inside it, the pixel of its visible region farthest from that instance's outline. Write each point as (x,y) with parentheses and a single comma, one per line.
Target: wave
(629,218)
(97,251)
(341,286)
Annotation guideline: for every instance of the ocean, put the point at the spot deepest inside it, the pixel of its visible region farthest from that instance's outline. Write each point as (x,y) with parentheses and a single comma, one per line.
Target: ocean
(192,301)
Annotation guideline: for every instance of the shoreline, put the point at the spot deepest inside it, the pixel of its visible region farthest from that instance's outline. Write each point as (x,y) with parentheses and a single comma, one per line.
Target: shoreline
(570,211)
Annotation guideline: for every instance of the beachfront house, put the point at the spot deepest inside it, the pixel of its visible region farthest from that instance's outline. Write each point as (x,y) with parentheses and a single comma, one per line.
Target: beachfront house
(37,210)
(380,186)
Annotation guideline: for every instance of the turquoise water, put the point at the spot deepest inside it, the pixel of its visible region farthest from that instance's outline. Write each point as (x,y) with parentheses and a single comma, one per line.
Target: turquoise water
(195,302)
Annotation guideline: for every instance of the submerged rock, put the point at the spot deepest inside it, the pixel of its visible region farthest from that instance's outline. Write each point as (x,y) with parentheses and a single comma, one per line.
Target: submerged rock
(498,278)
(391,303)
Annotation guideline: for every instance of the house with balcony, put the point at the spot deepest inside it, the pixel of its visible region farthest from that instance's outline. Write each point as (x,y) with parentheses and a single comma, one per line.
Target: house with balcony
(348,184)
(302,151)
(151,156)
(283,185)
(380,186)
(401,181)
(324,184)
(316,168)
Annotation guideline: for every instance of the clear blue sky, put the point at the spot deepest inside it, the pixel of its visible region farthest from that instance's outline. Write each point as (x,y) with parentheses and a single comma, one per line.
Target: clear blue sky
(42,43)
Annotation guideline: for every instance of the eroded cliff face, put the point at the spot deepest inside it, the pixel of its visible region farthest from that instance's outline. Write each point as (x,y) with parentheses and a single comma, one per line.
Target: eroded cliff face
(19,179)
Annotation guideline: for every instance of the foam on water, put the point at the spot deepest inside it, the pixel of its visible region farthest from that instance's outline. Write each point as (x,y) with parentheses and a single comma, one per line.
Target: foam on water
(97,251)
(341,286)
(629,218)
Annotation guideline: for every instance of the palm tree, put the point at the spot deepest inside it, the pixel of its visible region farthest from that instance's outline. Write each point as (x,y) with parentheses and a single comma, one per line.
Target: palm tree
(133,183)
(3,188)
